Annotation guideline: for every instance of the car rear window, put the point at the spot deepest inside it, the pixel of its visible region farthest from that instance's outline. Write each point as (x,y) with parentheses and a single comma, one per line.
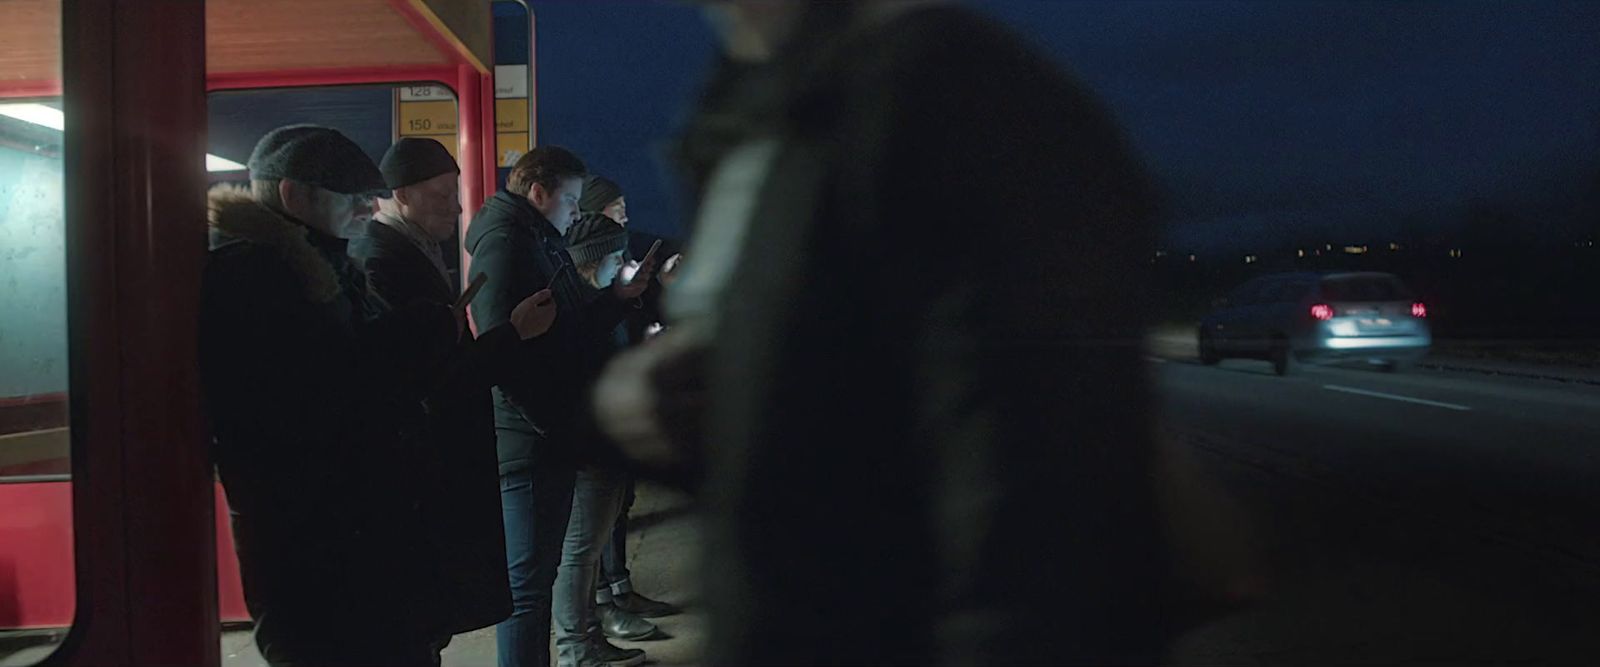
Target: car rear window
(1365,288)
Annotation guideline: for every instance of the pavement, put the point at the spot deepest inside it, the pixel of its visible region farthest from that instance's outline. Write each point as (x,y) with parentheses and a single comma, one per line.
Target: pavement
(663,544)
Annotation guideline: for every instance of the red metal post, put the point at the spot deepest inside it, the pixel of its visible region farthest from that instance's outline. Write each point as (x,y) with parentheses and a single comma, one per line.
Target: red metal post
(469,134)
(491,136)
(135,107)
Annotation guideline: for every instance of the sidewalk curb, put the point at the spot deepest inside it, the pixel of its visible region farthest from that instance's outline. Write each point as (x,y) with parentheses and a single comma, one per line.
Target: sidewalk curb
(1531,375)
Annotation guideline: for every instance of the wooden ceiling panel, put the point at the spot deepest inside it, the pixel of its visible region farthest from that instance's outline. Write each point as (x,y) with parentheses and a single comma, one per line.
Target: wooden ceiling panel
(276,35)
(241,36)
(30,40)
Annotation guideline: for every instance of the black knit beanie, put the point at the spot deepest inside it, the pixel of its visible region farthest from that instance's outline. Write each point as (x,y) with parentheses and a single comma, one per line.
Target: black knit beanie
(598,193)
(593,237)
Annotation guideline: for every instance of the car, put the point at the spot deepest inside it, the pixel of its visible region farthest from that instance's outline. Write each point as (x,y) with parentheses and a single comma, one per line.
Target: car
(1320,318)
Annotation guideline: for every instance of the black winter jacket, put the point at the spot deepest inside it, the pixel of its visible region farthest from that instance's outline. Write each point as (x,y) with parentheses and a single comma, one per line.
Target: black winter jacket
(314,392)
(460,496)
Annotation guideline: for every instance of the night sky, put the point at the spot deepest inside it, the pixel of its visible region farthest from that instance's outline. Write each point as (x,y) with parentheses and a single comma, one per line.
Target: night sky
(1266,123)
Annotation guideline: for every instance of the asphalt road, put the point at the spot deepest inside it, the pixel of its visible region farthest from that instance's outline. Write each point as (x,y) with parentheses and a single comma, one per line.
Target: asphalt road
(1426,517)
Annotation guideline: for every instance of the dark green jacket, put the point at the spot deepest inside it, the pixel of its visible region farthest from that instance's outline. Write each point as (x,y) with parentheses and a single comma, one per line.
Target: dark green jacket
(542,406)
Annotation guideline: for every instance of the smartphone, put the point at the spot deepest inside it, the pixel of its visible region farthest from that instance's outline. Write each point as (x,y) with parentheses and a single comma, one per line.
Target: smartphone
(472,291)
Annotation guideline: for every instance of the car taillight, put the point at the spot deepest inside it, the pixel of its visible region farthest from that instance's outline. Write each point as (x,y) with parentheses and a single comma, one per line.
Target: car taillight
(1322,312)
(1419,310)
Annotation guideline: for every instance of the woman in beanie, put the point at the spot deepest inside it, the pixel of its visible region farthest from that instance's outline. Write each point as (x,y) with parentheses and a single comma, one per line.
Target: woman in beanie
(598,247)
(614,593)
(602,195)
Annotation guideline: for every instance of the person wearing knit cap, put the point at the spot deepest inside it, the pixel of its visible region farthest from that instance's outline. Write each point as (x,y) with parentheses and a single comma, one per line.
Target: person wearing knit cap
(401,256)
(597,246)
(311,385)
(617,601)
(603,195)
(421,212)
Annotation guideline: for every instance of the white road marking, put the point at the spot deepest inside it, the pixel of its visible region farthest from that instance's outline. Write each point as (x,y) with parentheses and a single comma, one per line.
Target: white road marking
(1396,397)
(33,434)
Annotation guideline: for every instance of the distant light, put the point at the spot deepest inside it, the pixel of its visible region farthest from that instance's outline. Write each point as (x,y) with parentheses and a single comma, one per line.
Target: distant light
(214,163)
(1393,247)
(1419,309)
(1250,259)
(51,117)
(1191,258)
(38,114)
(1328,247)
(1455,253)
(1300,253)
(1161,253)
(1355,250)
(1322,312)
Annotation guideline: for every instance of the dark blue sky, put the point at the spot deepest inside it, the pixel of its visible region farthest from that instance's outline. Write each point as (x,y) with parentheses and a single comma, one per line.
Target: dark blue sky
(1265,122)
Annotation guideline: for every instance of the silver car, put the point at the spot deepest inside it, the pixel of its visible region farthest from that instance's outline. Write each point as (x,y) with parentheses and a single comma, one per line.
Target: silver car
(1318,318)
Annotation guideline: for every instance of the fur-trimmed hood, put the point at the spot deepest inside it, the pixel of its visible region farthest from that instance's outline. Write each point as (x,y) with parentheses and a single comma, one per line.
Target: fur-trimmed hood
(235,216)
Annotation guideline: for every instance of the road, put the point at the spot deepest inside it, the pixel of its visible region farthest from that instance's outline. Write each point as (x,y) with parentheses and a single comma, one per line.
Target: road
(1427,517)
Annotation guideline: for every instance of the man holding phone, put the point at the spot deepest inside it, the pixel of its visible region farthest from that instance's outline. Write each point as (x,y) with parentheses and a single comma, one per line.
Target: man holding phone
(401,254)
(541,411)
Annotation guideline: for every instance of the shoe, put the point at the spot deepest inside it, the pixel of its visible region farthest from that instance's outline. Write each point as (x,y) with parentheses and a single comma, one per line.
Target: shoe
(642,606)
(619,624)
(602,653)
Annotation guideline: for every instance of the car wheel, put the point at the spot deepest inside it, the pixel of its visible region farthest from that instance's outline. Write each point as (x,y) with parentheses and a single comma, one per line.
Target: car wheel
(1282,356)
(1208,350)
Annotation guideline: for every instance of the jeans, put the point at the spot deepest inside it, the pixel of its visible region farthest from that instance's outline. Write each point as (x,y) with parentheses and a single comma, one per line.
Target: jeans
(535,504)
(615,579)
(596,499)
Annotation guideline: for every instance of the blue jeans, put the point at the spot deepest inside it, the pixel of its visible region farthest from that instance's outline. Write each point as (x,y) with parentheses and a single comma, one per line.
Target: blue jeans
(595,502)
(535,504)
(615,579)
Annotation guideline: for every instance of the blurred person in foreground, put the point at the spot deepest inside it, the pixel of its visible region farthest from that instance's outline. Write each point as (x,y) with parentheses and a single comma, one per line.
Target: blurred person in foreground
(905,371)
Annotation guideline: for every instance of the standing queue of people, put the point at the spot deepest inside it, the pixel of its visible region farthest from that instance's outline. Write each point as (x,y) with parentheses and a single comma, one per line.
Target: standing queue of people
(903,373)
(361,429)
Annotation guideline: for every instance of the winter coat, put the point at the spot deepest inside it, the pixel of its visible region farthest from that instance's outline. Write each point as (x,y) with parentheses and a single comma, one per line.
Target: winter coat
(461,501)
(314,392)
(926,379)
(542,407)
